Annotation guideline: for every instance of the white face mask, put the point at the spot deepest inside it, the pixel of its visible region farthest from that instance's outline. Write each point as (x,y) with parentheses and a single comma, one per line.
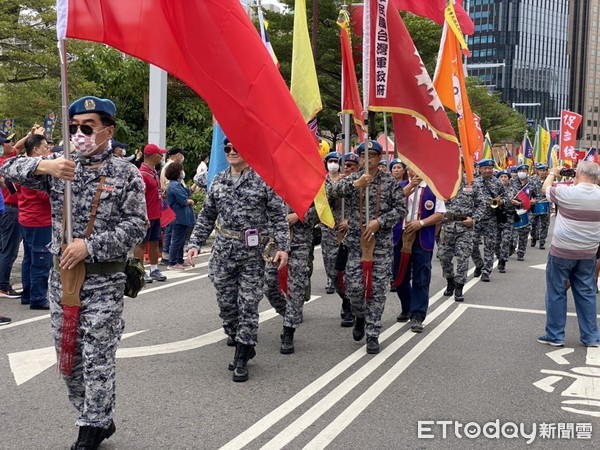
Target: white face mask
(85,145)
(333,167)
(522,175)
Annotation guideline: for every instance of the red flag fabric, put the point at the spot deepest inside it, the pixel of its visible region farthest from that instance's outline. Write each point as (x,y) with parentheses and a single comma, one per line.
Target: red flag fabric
(351,103)
(432,9)
(569,123)
(214,48)
(400,84)
(479,150)
(524,197)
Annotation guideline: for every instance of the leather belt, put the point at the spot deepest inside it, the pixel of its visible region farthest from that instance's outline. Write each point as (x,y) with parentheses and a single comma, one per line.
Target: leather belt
(97,268)
(238,235)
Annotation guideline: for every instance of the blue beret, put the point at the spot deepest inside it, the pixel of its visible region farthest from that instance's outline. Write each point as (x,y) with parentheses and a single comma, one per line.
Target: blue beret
(541,166)
(225,141)
(523,167)
(395,161)
(503,172)
(92,104)
(513,169)
(332,155)
(350,157)
(117,144)
(373,145)
(486,163)
(383,162)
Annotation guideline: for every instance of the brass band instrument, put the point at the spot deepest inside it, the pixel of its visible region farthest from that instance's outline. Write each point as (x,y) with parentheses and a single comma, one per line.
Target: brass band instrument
(495,202)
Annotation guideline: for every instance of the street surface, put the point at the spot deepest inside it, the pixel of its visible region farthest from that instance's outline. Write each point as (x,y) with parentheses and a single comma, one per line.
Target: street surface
(476,364)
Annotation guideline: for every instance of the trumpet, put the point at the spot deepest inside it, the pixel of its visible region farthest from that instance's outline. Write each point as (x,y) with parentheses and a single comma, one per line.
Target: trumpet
(495,202)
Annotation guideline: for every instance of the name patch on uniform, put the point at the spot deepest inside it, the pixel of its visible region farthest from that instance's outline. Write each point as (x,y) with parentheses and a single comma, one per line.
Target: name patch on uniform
(429,205)
(109,189)
(467,189)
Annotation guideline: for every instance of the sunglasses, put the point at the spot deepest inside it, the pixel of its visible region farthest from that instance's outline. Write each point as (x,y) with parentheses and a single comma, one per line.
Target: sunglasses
(88,130)
(228,149)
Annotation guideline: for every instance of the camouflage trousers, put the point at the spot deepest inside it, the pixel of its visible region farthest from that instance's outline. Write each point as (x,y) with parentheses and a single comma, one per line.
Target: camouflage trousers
(539,227)
(91,386)
(238,285)
(330,247)
(504,240)
(519,239)
(456,242)
(372,309)
(487,230)
(292,303)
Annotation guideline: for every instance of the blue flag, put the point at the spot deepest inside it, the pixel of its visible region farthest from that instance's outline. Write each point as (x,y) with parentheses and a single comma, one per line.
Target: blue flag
(218,162)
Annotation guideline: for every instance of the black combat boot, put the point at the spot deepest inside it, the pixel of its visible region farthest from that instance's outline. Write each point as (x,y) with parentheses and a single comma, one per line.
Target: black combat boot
(89,438)
(502,266)
(458,293)
(236,356)
(346,313)
(358,332)
(240,373)
(287,341)
(450,288)
(372,345)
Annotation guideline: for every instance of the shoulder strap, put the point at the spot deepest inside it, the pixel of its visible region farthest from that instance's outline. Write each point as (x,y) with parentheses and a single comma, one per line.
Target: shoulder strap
(95,203)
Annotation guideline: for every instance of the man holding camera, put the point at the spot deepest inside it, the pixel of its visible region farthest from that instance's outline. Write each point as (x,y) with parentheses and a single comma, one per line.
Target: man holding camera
(572,256)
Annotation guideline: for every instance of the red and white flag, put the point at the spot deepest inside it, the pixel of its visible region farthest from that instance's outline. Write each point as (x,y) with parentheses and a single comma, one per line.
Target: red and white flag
(399,83)
(213,47)
(569,124)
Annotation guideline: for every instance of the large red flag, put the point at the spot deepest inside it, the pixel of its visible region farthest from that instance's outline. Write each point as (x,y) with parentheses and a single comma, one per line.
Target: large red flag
(351,103)
(400,84)
(214,48)
(432,9)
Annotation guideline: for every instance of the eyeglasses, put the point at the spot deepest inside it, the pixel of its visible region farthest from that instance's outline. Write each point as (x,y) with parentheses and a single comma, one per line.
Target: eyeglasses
(349,164)
(228,149)
(88,130)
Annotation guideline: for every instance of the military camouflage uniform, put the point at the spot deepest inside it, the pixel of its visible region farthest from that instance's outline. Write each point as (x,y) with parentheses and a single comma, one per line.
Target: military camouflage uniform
(392,209)
(237,271)
(120,224)
(485,221)
(506,230)
(330,247)
(539,222)
(519,236)
(457,239)
(291,304)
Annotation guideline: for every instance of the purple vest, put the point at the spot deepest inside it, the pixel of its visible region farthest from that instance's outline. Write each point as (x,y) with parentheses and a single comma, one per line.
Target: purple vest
(426,234)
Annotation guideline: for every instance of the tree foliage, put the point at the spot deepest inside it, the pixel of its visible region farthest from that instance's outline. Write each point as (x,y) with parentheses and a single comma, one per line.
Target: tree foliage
(30,77)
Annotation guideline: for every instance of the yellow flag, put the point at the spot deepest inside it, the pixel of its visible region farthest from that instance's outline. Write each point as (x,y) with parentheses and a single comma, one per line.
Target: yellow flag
(304,85)
(452,20)
(305,90)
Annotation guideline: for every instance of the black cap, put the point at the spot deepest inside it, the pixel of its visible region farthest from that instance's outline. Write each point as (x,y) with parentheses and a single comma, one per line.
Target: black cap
(175,150)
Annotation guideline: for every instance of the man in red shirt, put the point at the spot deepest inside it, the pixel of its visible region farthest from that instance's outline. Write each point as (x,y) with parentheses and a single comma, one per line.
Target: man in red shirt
(153,155)
(35,219)
(10,234)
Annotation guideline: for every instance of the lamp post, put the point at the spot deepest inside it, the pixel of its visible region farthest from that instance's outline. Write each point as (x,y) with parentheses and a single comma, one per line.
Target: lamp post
(514,106)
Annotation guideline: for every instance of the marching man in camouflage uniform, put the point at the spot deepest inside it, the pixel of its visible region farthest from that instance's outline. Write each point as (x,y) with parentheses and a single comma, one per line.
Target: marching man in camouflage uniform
(292,301)
(387,207)
(486,188)
(504,236)
(457,240)
(520,234)
(245,211)
(539,222)
(118,226)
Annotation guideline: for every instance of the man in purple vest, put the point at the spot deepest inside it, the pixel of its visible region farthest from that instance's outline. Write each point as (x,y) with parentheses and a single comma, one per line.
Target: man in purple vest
(424,212)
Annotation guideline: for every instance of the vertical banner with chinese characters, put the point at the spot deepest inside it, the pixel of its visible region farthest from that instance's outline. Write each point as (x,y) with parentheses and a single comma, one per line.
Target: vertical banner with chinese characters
(569,123)
(7,126)
(49,124)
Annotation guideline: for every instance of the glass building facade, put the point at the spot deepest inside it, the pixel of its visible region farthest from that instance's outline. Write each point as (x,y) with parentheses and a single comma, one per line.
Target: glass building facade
(520,47)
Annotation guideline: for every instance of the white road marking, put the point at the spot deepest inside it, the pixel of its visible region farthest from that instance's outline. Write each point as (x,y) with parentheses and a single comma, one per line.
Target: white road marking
(316,386)
(25,322)
(331,431)
(545,384)
(539,266)
(593,356)
(26,365)
(557,355)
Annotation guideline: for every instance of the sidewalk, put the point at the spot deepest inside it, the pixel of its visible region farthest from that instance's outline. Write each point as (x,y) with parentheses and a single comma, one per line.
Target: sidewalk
(15,275)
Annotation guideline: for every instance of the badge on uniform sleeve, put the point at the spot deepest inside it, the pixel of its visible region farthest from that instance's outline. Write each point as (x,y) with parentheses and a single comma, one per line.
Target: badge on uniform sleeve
(107,188)
(429,205)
